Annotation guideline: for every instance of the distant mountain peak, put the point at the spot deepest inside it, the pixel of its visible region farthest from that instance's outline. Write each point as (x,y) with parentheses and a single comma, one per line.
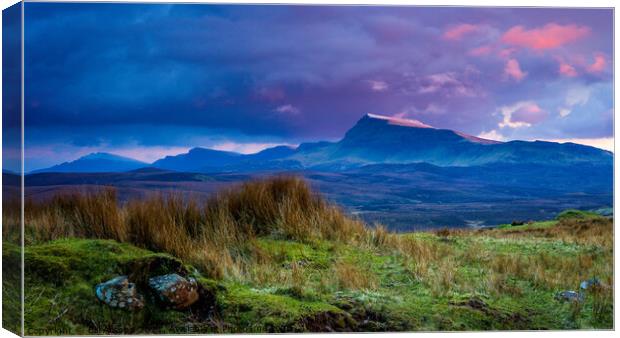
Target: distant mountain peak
(374,139)
(201,150)
(106,156)
(396,121)
(96,162)
(399,121)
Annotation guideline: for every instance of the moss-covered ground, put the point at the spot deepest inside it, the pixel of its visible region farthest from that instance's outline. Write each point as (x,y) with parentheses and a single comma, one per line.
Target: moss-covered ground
(497,279)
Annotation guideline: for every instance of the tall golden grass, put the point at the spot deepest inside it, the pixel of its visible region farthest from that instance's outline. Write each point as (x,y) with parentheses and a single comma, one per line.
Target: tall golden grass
(435,260)
(219,237)
(214,235)
(351,276)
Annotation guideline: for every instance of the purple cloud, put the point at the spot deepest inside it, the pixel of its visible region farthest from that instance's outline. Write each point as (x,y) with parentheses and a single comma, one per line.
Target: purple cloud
(220,68)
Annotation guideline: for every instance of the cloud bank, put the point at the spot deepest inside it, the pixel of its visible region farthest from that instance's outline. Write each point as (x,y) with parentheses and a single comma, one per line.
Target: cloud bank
(178,76)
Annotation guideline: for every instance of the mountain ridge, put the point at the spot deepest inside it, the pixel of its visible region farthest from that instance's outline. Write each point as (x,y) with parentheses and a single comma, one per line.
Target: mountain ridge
(374,139)
(388,140)
(96,162)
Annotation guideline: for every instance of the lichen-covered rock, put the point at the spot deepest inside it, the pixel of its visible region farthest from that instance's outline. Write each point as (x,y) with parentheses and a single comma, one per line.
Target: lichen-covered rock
(569,296)
(119,293)
(174,290)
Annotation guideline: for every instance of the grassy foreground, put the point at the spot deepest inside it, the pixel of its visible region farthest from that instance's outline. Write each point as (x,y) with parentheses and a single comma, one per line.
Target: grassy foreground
(271,256)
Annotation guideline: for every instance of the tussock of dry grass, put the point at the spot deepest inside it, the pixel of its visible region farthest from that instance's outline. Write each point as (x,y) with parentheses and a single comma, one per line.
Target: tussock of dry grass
(435,261)
(214,236)
(351,276)
(551,270)
(589,231)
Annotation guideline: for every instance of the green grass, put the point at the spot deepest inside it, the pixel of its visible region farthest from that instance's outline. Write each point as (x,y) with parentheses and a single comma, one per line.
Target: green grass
(566,214)
(317,254)
(265,310)
(60,280)
(573,213)
(11,293)
(533,225)
(302,291)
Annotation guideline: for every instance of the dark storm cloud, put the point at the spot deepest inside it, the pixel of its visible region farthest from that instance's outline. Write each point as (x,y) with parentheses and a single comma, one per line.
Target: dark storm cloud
(295,73)
(11,88)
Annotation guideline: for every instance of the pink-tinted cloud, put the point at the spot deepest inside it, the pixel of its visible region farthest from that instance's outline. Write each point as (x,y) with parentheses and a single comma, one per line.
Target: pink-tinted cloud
(513,70)
(492,135)
(530,114)
(506,53)
(480,51)
(567,70)
(549,36)
(459,31)
(522,114)
(599,64)
(446,83)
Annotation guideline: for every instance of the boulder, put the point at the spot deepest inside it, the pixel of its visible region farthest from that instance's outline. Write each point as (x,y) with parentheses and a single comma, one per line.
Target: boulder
(175,291)
(119,293)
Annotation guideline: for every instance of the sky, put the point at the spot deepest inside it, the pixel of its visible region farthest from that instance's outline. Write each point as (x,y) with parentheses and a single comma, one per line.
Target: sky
(147,81)
(11,88)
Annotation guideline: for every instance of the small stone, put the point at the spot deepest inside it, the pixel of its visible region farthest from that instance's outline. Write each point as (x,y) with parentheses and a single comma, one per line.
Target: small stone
(569,295)
(118,292)
(174,290)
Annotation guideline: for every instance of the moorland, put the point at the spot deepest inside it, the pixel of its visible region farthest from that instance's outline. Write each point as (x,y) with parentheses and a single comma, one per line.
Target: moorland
(272,255)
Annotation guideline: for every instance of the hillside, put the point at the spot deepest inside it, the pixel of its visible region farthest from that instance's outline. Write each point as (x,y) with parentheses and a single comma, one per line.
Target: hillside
(288,261)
